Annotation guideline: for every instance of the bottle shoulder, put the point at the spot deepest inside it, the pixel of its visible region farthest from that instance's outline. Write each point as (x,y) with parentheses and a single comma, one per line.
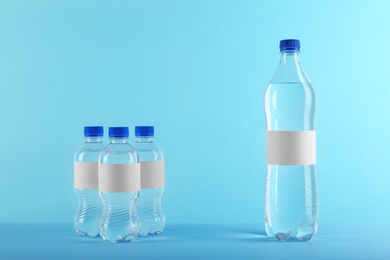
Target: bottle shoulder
(290,71)
(119,154)
(88,152)
(119,147)
(279,88)
(145,146)
(149,152)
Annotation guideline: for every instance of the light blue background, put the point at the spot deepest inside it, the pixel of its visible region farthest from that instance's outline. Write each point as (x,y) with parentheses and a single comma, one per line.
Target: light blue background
(197,70)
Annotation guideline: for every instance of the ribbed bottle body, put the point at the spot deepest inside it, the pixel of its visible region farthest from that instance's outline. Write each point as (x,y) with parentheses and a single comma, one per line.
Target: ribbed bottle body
(89,210)
(149,202)
(150,211)
(120,222)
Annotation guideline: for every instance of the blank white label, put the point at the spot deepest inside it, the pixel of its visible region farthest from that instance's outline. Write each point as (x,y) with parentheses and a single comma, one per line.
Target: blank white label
(152,174)
(291,147)
(119,177)
(85,175)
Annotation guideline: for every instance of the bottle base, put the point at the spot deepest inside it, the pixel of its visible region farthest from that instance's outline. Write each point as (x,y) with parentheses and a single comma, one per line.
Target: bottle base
(155,233)
(82,233)
(120,236)
(305,237)
(119,239)
(151,227)
(281,236)
(304,233)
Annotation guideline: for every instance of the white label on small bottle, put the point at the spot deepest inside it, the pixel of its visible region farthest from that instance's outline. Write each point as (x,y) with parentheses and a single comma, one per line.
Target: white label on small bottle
(119,177)
(291,147)
(152,174)
(85,175)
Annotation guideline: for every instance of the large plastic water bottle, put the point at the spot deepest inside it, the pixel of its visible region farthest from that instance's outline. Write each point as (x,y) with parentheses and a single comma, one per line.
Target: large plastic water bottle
(119,185)
(152,181)
(89,212)
(291,200)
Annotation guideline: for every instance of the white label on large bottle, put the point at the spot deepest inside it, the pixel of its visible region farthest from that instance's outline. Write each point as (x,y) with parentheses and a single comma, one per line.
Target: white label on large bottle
(85,175)
(291,147)
(119,177)
(152,174)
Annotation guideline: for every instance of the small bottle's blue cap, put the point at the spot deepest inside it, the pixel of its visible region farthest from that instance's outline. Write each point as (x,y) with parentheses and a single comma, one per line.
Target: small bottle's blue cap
(118,131)
(290,45)
(93,131)
(144,131)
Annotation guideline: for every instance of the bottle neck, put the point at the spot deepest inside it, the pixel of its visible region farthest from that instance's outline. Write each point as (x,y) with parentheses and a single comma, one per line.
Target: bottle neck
(290,57)
(94,139)
(289,69)
(144,139)
(119,140)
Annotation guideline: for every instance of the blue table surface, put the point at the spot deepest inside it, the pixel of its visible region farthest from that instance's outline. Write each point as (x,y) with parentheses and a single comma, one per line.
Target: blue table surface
(194,241)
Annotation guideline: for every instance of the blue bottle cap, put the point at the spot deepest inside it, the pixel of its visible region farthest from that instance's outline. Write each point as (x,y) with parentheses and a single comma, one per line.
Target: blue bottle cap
(93,131)
(144,131)
(118,131)
(290,45)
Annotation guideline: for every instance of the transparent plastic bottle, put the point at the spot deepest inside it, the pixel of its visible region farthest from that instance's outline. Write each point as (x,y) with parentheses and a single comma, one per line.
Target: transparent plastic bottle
(119,185)
(291,199)
(89,211)
(152,181)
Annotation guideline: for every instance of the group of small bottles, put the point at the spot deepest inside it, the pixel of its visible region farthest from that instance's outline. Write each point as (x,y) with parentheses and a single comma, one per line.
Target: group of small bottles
(119,187)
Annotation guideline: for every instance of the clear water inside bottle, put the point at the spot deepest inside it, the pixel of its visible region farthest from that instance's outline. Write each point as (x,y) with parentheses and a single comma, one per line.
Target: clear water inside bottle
(149,206)
(87,218)
(120,221)
(291,201)
(290,106)
(89,210)
(291,196)
(150,211)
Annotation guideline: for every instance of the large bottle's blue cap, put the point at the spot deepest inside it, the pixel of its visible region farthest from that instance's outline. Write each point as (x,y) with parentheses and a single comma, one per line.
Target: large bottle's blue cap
(93,131)
(118,131)
(144,131)
(290,45)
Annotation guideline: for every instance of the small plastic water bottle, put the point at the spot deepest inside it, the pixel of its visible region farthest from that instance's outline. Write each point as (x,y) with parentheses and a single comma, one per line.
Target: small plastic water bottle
(291,199)
(152,181)
(89,212)
(119,185)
